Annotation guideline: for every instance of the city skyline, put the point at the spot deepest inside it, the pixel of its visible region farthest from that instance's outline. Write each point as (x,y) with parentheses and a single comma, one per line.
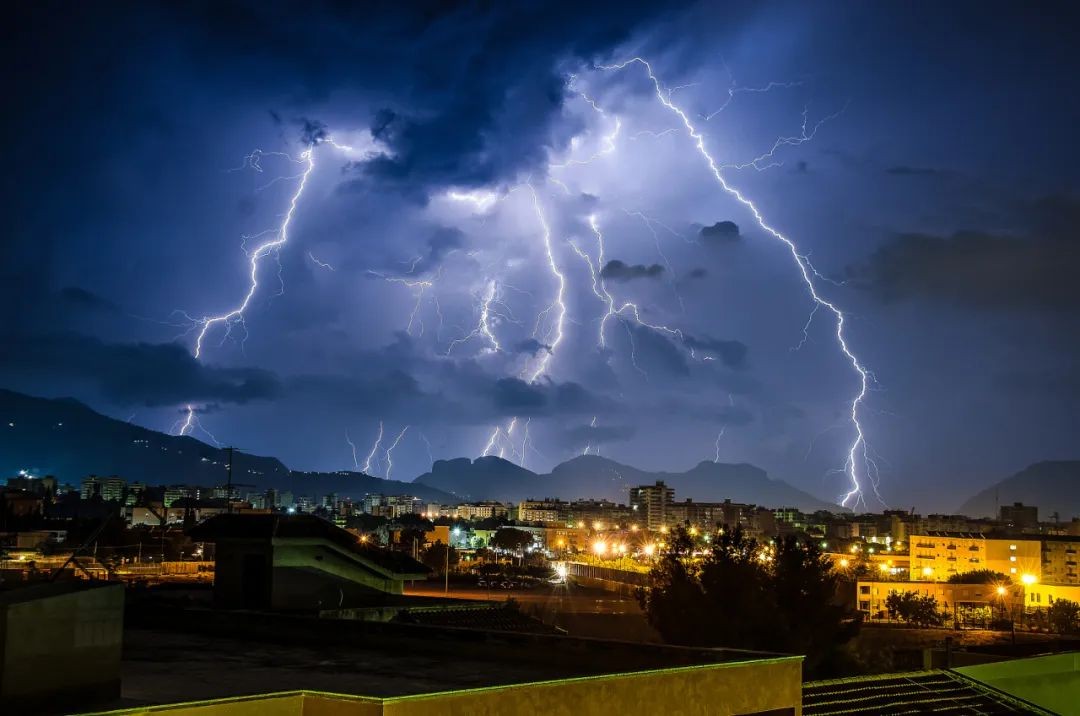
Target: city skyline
(503,236)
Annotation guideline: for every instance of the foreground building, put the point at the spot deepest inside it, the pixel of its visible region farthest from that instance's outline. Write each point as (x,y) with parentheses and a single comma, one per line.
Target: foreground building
(275,561)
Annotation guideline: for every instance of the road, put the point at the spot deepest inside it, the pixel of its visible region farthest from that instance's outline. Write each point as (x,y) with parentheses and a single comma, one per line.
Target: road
(566,598)
(581,611)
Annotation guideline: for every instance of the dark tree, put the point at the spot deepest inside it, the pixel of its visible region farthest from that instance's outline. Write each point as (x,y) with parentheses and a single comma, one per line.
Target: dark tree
(914,609)
(511,540)
(744,594)
(980,576)
(1064,616)
(435,557)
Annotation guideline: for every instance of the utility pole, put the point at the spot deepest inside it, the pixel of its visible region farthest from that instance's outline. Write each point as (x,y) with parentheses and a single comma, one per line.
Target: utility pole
(228,480)
(446,571)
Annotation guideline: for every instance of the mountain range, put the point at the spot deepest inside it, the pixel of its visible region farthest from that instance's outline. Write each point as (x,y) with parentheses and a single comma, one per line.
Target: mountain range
(67,439)
(1052,486)
(592,476)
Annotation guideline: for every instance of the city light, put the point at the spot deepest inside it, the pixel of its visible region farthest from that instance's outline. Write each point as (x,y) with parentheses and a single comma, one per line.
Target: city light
(1001,591)
(599,547)
(927,571)
(1028,579)
(649,550)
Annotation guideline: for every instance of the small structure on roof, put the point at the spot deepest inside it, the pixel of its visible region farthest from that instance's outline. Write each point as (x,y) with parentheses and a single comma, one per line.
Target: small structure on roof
(298,562)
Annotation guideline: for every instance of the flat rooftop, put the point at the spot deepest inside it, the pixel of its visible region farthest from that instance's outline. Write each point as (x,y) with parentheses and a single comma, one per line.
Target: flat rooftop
(212,655)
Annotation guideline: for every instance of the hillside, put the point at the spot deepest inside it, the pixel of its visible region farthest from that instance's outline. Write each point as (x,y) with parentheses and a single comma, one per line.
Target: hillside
(592,476)
(69,440)
(1053,486)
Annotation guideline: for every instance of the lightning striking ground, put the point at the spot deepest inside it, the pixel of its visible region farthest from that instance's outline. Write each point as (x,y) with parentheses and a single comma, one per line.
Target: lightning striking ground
(858,448)
(374,450)
(390,451)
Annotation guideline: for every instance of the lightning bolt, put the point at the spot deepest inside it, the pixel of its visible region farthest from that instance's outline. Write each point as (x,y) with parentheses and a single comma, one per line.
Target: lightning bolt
(723,429)
(352,447)
(374,450)
(320,264)
(858,447)
(190,423)
(419,288)
(390,451)
(484,326)
(278,238)
(588,445)
(628,311)
(558,304)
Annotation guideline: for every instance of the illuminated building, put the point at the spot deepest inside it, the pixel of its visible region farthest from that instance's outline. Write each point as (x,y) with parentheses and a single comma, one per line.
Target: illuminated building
(653,503)
(936,556)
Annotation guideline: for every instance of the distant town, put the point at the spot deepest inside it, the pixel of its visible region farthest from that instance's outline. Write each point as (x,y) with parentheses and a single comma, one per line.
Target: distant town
(1010,569)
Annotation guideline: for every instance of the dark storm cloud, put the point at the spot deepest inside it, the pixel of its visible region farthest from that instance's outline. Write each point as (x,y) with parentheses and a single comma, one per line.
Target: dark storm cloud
(87,300)
(695,274)
(312,131)
(135,373)
(531,346)
(442,241)
(375,390)
(513,396)
(731,353)
(984,270)
(617,270)
(722,232)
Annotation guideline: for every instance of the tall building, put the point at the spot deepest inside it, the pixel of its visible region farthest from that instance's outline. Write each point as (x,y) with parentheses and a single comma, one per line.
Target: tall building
(110,489)
(653,503)
(1019,515)
(936,556)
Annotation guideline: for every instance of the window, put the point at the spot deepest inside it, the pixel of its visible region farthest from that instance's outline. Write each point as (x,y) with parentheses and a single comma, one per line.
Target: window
(1012,570)
(1012,547)
(1012,558)
(864,589)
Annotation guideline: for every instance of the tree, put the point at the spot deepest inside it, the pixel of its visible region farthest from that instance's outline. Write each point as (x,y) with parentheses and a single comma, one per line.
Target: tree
(1064,616)
(435,557)
(914,609)
(980,576)
(511,540)
(748,595)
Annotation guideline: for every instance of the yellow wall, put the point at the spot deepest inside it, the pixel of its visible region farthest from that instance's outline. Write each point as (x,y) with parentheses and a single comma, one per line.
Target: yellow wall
(720,689)
(935,558)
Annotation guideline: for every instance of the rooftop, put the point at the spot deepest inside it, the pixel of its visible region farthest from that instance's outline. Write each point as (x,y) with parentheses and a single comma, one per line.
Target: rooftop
(939,692)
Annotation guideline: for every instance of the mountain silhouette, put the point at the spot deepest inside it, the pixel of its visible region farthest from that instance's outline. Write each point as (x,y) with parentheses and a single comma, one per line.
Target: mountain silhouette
(1052,486)
(592,476)
(67,439)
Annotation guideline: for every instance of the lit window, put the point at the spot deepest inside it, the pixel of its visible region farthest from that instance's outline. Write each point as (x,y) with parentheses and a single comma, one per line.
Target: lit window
(1012,547)
(1012,558)
(1013,570)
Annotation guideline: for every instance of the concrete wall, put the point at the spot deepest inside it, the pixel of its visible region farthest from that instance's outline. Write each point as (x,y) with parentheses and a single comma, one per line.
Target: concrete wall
(60,645)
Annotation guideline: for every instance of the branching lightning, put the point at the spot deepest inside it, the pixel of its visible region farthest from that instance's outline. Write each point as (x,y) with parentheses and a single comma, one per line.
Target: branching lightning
(858,449)
(374,450)
(420,288)
(278,238)
(352,447)
(390,451)
(190,423)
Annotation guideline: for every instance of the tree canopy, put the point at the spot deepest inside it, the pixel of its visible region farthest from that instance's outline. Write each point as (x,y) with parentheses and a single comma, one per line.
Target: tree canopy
(744,594)
(511,539)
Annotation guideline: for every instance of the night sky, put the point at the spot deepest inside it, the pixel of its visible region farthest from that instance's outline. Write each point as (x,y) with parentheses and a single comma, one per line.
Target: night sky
(924,162)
